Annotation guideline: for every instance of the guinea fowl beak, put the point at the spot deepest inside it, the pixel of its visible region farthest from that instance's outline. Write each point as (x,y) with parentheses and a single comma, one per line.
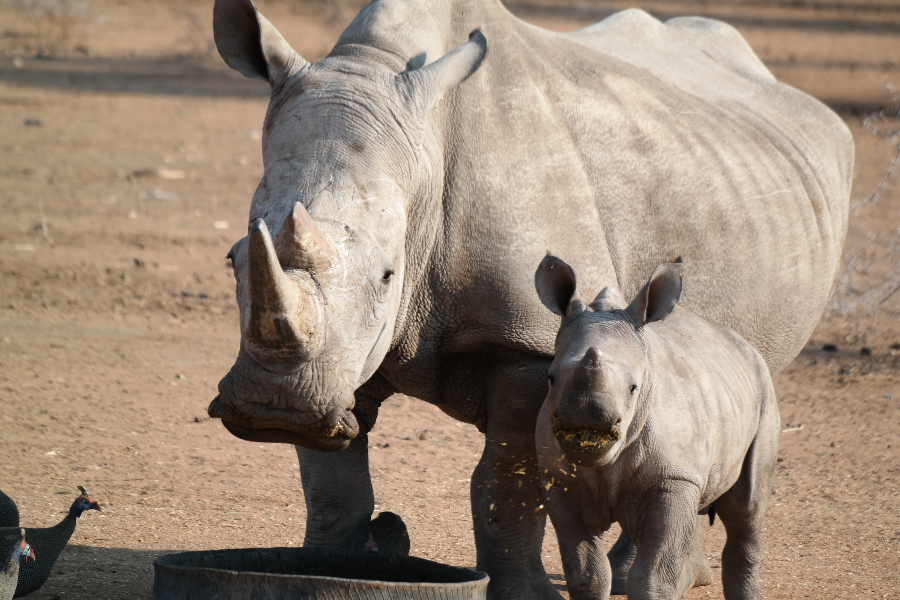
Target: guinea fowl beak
(95,506)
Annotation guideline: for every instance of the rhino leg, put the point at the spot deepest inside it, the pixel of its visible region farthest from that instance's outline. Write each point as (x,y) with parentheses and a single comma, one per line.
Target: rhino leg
(337,486)
(621,556)
(664,531)
(742,508)
(507,509)
(338,492)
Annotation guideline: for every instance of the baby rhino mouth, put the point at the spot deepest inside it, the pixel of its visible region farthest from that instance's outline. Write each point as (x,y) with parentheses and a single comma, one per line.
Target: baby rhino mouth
(585,446)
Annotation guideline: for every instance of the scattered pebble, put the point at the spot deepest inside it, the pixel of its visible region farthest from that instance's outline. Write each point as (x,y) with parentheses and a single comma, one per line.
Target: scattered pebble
(23,247)
(829,348)
(866,351)
(32,122)
(220,225)
(157,195)
(172,174)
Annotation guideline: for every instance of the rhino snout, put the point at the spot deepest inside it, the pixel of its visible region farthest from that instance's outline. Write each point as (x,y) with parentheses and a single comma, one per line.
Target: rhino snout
(587,413)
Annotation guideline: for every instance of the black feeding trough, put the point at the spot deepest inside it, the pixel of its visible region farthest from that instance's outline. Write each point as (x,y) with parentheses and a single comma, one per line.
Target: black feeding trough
(310,573)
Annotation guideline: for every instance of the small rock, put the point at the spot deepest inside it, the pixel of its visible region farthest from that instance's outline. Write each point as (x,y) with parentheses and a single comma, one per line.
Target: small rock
(888,395)
(866,351)
(172,174)
(220,225)
(829,348)
(157,195)
(32,122)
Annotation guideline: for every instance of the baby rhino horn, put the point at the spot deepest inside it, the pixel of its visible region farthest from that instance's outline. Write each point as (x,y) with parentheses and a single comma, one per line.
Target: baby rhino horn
(300,243)
(589,374)
(593,359)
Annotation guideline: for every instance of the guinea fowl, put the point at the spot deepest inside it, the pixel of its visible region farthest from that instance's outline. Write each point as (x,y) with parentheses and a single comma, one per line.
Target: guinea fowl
(17,550)
(48,543)
(385,534)
(9,513)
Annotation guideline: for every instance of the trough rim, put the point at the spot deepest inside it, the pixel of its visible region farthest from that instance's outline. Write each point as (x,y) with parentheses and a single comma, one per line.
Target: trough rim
(480,578)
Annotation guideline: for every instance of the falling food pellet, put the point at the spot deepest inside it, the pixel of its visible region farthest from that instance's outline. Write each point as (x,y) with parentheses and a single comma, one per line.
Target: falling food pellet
(539,508)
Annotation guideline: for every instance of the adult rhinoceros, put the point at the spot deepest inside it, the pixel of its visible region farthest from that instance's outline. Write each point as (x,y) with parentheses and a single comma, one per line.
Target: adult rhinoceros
(413,181)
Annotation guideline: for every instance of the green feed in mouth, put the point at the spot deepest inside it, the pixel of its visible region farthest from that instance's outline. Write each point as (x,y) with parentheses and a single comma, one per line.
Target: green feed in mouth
(585,438)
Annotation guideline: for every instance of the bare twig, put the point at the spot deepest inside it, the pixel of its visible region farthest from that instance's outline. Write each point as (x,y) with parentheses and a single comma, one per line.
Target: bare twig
(45,230)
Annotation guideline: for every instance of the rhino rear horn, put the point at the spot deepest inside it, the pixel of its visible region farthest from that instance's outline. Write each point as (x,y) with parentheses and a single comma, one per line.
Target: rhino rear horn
(251,45)
(300,243)
(283,318)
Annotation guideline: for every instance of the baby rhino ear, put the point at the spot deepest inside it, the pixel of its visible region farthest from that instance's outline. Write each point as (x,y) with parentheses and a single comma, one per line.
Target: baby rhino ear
(659,295)
(555,284)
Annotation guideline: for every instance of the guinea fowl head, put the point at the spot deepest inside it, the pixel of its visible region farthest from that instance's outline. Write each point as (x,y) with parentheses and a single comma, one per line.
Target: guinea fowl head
(23,549)
(83,503)
(388,535)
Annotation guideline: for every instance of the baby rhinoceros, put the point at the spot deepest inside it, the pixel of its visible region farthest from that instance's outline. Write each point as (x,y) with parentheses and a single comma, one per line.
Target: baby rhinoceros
(653,414)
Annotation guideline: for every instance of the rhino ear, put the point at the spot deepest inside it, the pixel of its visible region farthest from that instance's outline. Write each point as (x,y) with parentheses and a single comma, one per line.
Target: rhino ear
(429,84)
(555,284)
(659,295)
(250,44)
(609,299)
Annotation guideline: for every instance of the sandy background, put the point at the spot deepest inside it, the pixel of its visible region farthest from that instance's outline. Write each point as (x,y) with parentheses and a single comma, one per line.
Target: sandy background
(128,155)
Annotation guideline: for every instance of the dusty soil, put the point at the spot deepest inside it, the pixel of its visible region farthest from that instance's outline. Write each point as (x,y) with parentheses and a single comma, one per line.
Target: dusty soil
(128,161)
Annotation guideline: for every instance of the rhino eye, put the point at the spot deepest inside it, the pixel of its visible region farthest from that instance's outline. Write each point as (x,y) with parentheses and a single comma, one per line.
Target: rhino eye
(551,378)
(632,388)
(387,276)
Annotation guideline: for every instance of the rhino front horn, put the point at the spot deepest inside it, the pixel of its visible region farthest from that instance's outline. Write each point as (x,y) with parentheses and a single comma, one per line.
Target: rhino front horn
(300,243)
(285,319)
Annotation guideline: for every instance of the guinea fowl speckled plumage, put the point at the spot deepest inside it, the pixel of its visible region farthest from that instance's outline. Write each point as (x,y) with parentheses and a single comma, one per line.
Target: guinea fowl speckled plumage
(48,543)
(385,534)
(9,513)
(15,548)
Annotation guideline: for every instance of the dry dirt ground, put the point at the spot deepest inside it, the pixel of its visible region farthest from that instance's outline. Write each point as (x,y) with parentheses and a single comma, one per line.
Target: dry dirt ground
(128,155)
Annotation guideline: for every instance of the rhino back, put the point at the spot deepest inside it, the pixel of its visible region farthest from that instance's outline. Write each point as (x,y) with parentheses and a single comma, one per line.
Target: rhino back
(556,146)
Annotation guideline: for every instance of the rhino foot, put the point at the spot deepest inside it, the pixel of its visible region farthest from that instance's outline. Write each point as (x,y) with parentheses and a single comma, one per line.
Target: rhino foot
(621,557)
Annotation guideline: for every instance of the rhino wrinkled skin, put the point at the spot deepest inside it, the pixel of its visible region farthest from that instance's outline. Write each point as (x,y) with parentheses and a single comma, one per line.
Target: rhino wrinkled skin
(696,426)
(415,176)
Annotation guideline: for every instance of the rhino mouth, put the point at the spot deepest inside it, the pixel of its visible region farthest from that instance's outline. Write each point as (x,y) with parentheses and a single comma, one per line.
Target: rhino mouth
(585,446)
(325,439)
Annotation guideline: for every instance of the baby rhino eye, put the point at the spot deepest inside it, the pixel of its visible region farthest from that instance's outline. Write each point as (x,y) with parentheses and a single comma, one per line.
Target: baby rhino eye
(632,388)
(387,276)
